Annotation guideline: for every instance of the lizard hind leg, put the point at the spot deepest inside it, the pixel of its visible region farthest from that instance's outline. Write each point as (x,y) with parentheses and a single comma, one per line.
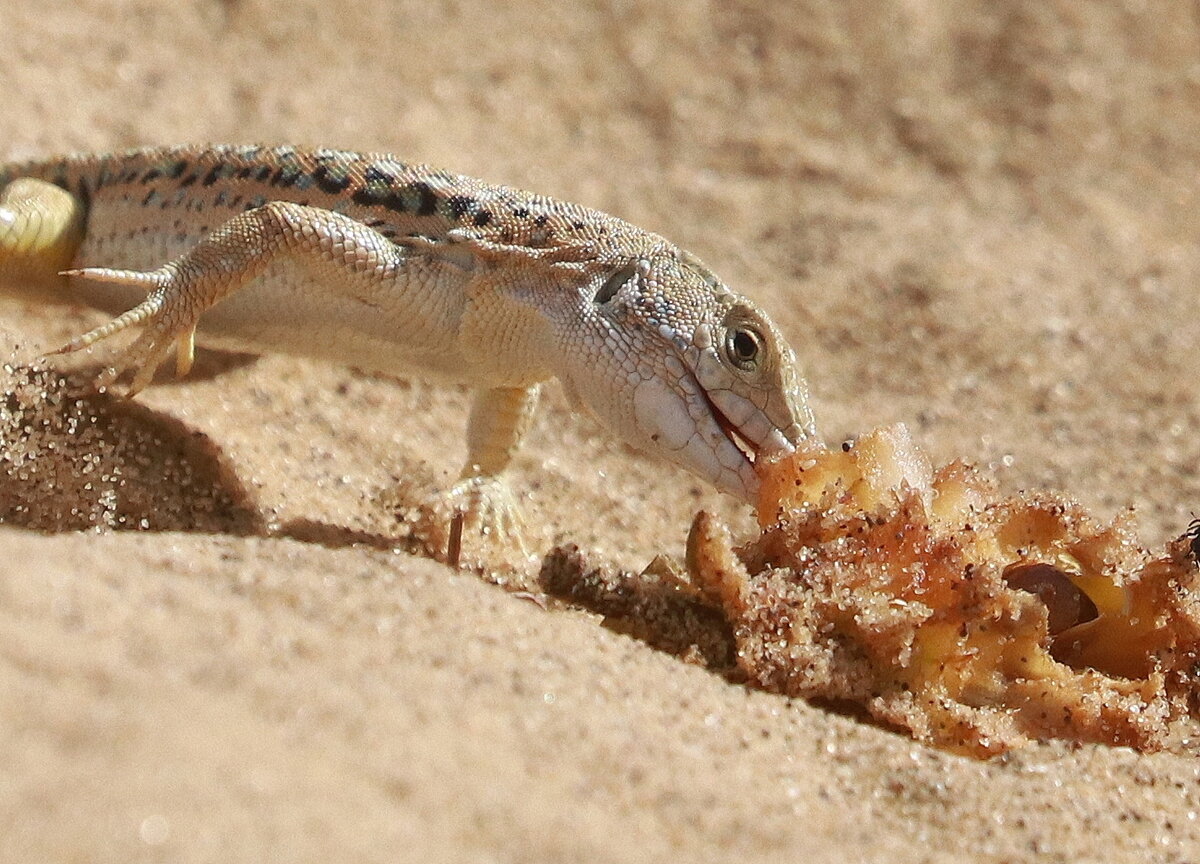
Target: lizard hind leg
(342,255)
(41,228)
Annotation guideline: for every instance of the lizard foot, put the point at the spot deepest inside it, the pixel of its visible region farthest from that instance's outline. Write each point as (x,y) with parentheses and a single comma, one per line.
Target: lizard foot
(478,521)
(486,509)
(166,318)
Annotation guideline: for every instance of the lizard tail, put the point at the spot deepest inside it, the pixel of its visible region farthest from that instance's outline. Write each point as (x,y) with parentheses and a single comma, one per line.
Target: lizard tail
(41,227)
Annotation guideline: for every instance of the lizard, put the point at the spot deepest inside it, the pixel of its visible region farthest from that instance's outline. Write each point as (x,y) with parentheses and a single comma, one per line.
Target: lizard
(406,270)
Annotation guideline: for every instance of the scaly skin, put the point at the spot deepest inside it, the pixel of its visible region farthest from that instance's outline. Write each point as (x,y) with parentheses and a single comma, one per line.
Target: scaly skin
(407,270)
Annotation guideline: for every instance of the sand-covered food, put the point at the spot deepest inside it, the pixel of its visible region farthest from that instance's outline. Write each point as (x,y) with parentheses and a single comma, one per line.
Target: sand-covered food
(974,620)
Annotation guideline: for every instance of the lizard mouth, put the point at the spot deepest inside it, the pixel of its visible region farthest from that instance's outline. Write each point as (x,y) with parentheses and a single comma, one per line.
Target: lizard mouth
(745,446)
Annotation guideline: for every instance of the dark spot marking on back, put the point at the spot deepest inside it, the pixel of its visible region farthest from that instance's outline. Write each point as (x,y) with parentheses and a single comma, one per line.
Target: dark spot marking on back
(521,212)
(263,173)
(151,175)
(372,196)
(285,176)
(244,174)
(577,225)
(331,183)
(483,217)
(428,203)
(178,168)
(189,180)
(540,220)
(374,175)
(460,205)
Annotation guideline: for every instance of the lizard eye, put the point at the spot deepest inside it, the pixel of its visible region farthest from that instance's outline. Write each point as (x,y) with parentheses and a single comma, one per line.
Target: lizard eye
(743,345)
(613,283)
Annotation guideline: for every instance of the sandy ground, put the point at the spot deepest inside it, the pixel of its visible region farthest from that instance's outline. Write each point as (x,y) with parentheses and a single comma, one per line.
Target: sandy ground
(976,217)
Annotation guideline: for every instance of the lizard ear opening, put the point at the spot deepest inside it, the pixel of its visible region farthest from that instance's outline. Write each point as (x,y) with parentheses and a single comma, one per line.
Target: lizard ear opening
(609,288)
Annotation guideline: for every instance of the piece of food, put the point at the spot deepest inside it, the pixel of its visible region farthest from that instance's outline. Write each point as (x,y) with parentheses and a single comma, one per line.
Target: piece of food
(975,621)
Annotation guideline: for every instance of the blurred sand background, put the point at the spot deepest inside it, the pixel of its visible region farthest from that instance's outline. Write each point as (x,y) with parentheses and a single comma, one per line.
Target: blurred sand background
(976,217)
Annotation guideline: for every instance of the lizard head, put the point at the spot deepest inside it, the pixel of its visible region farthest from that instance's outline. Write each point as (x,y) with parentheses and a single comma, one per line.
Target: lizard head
(690,371)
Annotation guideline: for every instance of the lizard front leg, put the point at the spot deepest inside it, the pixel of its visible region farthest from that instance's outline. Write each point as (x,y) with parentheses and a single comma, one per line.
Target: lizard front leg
(342,255)
(499,419)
